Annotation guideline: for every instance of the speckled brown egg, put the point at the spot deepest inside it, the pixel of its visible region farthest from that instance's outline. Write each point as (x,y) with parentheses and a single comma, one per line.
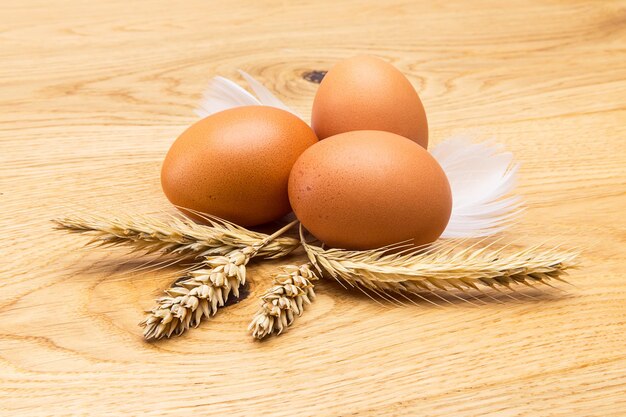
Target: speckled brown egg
(235,164)
(367,189)
(367,93)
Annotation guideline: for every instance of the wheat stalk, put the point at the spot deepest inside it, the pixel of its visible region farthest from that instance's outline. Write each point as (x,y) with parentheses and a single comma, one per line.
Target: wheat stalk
(202,291)
(446,266)
(285,300)
(174,235)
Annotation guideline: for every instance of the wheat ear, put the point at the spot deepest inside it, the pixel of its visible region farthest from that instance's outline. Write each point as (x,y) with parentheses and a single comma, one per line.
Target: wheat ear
(174,235)
(444,267)
(292,289)
(202,291)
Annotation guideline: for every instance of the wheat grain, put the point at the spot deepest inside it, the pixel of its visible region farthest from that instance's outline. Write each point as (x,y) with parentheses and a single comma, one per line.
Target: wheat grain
(285,300)
(174,235)
(202,291)
(449,265)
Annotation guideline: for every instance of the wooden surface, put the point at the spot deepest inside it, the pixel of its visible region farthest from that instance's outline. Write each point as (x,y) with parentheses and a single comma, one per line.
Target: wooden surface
(93,93)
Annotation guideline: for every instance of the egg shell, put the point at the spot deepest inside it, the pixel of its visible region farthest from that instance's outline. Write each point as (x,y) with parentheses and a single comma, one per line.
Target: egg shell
(235,164)
(367,93)
(366,189)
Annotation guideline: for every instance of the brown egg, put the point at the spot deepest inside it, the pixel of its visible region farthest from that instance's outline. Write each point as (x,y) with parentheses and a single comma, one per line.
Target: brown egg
(235,164)
(367,189)
(367,93)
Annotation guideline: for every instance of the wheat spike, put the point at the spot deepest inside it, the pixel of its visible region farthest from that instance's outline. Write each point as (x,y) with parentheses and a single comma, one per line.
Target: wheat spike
(174,235)
(199,294)
(292,289)
(202,291)
(447,266)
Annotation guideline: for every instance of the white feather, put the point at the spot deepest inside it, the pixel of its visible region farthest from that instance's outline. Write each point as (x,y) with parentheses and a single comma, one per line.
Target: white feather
(481,176)
(265,96)
(222,94)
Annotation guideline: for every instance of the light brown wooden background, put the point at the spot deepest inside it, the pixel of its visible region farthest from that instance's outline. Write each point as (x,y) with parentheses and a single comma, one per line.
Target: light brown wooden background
(93,93)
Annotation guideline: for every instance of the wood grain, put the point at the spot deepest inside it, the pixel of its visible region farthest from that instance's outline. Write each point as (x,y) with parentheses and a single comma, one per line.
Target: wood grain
(92,95)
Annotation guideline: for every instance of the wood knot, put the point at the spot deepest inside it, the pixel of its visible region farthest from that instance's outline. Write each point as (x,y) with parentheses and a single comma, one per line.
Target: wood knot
(314,76)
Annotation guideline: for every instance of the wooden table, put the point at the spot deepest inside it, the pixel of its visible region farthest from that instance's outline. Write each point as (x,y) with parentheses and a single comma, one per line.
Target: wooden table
(92,95)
